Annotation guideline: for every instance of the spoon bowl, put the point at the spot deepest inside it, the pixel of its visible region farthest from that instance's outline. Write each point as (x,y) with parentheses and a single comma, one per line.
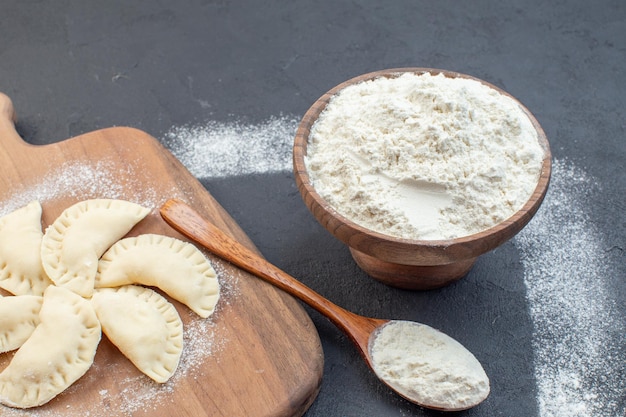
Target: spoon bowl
(363,331)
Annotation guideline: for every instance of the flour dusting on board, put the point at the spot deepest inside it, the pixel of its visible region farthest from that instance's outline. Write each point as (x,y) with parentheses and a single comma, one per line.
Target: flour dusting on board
(202,337)
(83,181)
(576,317)
(139,393)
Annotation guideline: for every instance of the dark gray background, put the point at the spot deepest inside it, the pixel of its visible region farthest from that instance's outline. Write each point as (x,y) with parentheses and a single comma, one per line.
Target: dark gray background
(71,67)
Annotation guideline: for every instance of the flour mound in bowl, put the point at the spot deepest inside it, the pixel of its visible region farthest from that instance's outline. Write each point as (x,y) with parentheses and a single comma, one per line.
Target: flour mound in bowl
(421,156)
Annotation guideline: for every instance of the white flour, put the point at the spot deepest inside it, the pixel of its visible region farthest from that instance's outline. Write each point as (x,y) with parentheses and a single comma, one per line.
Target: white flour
(220,150)
(81,181)
(428,366)
(424,157)
(579,327)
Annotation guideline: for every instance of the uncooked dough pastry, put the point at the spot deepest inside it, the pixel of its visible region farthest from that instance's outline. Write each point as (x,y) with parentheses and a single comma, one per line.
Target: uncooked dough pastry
(19,315)
(73,244)
(21,271)
(178,268)
(47,364)
(144,326)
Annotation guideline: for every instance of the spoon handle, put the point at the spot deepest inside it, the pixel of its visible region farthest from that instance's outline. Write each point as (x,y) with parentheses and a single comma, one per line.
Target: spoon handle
(187,221)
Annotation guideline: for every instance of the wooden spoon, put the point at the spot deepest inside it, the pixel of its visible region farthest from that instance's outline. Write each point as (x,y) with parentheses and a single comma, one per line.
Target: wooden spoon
(361,330)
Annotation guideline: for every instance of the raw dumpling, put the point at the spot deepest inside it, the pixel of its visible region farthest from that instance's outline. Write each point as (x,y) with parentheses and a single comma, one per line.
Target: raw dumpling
(176,267)
(144,326)
(19,315)
(60,350)
(73,244)
(21,271)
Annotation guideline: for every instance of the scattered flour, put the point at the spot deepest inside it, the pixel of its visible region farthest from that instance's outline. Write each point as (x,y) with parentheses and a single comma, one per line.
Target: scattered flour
(564,270)
(82,181)
(578,327)
(232,149)
(139,394)
(428,366)
(423,156)
(202,337)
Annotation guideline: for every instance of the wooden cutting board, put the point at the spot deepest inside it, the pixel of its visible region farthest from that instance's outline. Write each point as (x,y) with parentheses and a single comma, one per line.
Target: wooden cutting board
(258,355)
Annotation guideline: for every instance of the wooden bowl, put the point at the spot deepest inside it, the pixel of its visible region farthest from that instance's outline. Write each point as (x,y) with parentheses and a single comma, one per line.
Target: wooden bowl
(406,263)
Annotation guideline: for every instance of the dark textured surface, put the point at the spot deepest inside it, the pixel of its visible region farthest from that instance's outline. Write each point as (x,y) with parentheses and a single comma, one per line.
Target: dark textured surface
(75,66)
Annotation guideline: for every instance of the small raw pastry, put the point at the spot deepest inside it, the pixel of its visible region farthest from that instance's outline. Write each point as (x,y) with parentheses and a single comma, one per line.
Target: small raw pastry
(178,268)
(60,350)
(144,326)
(21,271)
(19,315)
(75,241)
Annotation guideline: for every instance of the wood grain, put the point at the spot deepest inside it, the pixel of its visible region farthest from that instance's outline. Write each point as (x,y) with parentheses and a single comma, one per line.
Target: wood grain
(189,222)
(258,355)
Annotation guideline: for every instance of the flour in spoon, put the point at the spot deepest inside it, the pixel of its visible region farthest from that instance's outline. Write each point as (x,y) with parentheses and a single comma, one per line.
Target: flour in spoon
(428,366)
(424,156)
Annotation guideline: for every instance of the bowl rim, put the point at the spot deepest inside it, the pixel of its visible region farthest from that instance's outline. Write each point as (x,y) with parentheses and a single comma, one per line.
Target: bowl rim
(490,238)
